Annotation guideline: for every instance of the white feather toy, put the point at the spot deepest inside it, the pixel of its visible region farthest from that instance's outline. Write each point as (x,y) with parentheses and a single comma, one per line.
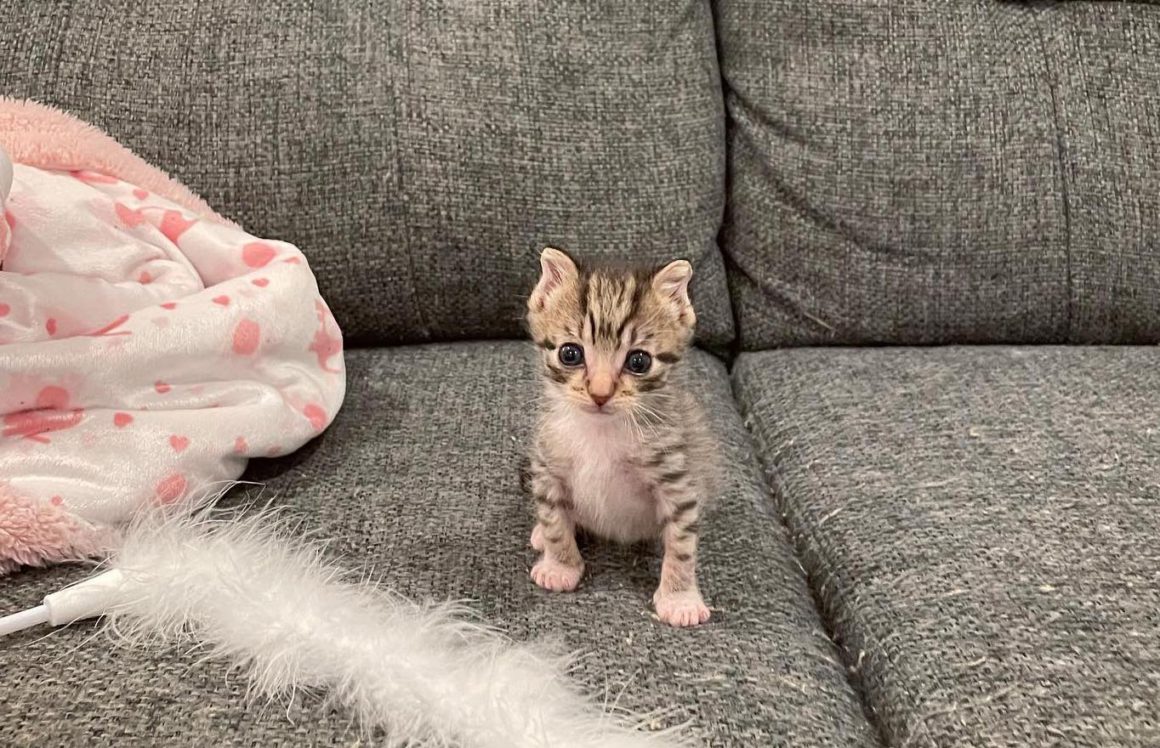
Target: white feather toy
(292,622)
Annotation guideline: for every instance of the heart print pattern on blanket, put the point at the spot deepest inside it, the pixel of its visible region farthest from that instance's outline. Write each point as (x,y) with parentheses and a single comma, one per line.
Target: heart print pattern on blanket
(146,352)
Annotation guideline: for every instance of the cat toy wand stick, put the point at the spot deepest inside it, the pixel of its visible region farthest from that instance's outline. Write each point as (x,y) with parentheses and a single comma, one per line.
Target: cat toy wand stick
(79,601)
(276,610)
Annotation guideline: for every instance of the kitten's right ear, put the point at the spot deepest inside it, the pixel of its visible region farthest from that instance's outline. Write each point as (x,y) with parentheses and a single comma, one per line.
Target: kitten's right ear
(556,270)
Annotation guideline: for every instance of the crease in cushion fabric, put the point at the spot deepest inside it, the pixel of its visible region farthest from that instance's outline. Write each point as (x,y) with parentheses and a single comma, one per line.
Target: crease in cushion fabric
(980,525)
(418,480)
(913,173)
(420,153)
(1106,64)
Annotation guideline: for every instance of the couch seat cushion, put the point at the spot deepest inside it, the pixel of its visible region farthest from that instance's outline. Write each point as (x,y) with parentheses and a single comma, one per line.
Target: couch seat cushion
(981,527)
(418,481)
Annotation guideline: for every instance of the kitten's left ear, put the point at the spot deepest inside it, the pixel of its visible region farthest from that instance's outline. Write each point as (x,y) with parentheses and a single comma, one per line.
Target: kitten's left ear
(672,284)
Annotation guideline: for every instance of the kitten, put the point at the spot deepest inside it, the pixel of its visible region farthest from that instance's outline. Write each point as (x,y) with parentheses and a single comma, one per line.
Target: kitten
(621,451)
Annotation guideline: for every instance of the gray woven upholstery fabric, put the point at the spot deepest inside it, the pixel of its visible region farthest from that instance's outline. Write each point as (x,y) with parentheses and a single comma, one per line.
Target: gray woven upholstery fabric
(1108,98)
(418,479)
(909,172)
(980,525)
(420,153)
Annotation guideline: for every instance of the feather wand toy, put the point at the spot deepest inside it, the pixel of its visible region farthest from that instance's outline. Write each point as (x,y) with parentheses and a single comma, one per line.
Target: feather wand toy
(293,622)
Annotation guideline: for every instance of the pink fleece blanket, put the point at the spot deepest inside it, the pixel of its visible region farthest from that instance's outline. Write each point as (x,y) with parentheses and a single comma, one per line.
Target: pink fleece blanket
(148,347)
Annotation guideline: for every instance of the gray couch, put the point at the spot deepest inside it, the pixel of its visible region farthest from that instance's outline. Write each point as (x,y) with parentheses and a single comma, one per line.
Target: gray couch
(941,516)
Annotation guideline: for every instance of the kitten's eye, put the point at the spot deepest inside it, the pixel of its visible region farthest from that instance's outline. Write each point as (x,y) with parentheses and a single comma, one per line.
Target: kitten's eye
(571,354)
(638,362)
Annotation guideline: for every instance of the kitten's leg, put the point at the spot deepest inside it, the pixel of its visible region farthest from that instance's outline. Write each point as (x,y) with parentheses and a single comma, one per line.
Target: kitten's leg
(560,567)
(677,599)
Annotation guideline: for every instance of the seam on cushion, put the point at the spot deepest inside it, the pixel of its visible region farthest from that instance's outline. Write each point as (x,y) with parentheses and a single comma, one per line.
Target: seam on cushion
(851,667)
(733,349)
(400,113)
(1051,79)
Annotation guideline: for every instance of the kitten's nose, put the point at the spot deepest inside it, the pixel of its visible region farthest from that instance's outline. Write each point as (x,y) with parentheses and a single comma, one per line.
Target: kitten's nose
(601,385)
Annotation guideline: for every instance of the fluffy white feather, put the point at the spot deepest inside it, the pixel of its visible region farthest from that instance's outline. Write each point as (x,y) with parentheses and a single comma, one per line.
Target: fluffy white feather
(274,608)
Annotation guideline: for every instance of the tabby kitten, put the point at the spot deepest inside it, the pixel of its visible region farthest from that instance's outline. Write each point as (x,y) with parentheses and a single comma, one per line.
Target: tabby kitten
(621,451)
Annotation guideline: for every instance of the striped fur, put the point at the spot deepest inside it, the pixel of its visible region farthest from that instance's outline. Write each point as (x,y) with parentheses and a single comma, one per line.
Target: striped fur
(639,466)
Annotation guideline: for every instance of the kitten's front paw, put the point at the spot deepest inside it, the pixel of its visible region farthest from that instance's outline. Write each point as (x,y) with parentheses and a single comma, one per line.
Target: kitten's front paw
(555,576)
(681,609)
(537,538)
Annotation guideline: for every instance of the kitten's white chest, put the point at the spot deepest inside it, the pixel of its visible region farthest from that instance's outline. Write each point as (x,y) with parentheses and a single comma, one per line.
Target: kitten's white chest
(608,493)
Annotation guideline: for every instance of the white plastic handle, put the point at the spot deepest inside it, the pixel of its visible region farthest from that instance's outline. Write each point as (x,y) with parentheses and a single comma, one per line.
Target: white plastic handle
(23,620)
(85,599)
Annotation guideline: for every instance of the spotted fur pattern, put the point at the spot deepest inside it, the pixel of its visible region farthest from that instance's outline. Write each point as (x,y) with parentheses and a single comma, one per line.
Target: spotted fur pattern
(623,454)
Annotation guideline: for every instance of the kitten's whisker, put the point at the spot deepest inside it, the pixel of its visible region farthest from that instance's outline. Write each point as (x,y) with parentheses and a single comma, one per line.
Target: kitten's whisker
(652,431)
(644,423)
(657,419)
(650,418)
(635,426)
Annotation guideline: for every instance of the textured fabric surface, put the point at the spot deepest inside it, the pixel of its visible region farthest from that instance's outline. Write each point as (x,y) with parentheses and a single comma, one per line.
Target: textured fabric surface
(420,153)
(917,172)
(981,527)
(418,480)
(1107,69)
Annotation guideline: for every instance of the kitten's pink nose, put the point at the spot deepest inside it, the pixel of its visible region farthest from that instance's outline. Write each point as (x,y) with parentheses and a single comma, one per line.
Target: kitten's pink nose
(601,385)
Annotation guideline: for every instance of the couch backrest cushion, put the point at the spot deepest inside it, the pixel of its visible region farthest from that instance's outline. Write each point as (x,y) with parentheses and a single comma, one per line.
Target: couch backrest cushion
(421,153)
(908,172)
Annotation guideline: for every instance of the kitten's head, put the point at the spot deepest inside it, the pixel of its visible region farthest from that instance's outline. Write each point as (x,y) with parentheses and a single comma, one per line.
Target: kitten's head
(609,336)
